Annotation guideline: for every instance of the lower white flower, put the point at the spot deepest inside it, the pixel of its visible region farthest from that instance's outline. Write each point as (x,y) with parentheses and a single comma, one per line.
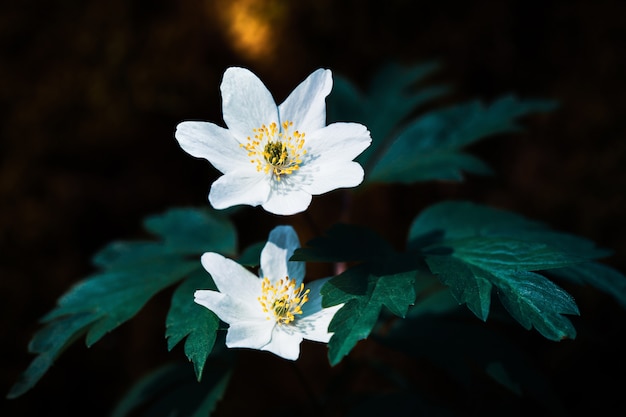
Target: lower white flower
(274,311)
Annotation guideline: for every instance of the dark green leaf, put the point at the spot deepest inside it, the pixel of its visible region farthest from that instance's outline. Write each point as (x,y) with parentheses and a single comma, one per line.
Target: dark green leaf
(364,290)
(535,301)
(117,296)
(188,319)
(429,148)
(49,343)
(131,273)
(344,243)
(457,220)
(493,249)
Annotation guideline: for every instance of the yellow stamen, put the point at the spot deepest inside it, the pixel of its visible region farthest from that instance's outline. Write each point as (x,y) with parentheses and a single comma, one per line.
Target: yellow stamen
(282,301)
(276,151)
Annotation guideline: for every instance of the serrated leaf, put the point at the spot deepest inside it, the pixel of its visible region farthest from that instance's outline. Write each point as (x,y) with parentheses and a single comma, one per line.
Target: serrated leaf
(364,291)
(388,101)
(132,273)
(429,148)
(188,319)
(172,391)
(467,284)
(117,296)
(493,249)
(535,301)
(49,343)
(343,242)
(457,220)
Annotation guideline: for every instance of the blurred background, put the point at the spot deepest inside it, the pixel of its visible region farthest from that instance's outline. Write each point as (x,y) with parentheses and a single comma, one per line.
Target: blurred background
(91,92)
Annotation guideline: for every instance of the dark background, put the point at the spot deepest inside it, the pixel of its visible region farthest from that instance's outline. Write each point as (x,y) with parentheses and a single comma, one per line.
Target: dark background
(91,92)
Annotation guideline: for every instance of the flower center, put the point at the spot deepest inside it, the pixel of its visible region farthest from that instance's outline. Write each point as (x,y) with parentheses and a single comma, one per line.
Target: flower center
(276,151)
(283,300)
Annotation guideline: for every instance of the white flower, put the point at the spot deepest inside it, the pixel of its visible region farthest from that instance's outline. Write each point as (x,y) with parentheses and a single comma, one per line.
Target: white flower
(273,312)
(275,156)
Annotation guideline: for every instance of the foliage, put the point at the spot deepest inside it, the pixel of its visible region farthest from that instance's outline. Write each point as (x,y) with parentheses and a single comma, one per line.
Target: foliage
(409,300)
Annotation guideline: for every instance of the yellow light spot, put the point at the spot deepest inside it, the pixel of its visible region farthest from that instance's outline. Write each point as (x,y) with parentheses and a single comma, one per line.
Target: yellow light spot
(284,300)
(276,151)
(252,25)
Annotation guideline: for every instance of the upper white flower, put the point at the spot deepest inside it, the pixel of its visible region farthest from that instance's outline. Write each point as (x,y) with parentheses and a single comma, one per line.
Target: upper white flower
(274,311)
(275,156)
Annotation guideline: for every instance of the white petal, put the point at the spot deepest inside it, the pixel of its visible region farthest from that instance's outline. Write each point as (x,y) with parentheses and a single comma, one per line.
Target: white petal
(252,334)
(281,244)
(284,343)
(313,324)
(315,297)
(232,279)
(337,141)
(306,105)
(228,309)
(287,201)
(330,176)
(211,142)
(239,187)
(246,102)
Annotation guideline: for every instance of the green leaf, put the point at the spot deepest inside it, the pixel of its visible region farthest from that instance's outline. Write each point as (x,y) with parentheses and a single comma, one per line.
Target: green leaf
(364,289)
(49,343)
(535,301)
(188,319)
(344,242)
(493,249)
(458,220)
(389,100)
(172,391)
(131,274)
(429,148)
(117,296)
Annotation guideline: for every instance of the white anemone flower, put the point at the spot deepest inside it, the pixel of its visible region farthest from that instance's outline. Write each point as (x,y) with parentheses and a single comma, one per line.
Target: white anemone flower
(274,311)
(275,156)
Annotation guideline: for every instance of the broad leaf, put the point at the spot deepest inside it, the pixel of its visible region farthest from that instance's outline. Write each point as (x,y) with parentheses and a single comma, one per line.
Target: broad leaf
(117,296)
(48,343)
(364,289)
(493,249)
(131,274)
(430,147)
(188,319)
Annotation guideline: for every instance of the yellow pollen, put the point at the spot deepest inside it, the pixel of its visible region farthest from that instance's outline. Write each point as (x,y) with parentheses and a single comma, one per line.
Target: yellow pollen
(284,300)
(276,151)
